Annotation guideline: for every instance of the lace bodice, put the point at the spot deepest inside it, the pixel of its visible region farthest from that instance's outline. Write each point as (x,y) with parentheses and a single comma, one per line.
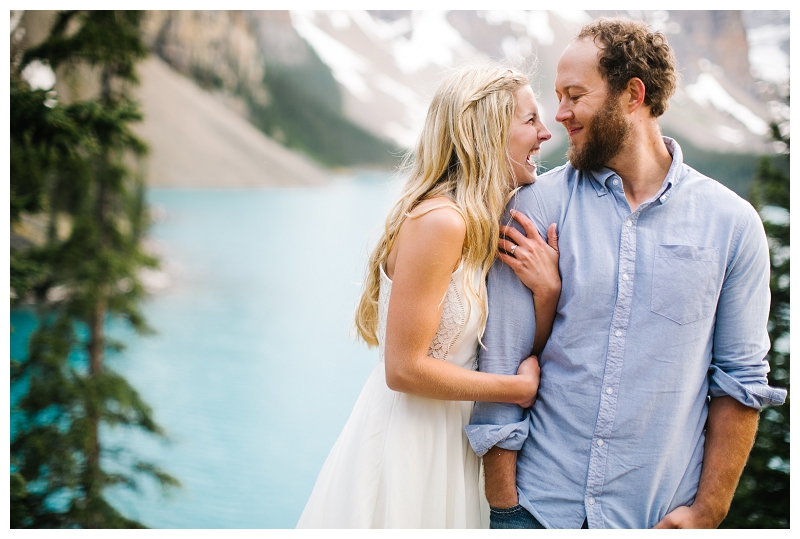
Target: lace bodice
(456,338)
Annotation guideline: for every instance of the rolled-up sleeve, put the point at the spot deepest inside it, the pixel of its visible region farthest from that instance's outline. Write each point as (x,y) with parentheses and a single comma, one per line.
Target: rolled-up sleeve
(508,339)
(739,366)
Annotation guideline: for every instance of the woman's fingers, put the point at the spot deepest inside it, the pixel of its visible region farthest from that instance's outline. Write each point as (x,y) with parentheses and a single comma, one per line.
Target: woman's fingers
(506,245)
(552,237)
(513,234)
(527,224)
(508,259)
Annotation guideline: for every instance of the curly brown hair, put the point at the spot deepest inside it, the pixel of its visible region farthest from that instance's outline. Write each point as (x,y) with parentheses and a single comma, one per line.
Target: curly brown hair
(629,49)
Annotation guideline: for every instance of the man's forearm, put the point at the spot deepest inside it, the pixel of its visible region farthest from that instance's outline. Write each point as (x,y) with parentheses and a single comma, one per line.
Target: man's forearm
(500,468)
(730,431)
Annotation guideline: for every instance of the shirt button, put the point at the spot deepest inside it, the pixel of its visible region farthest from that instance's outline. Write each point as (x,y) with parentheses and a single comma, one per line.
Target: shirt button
(628,222)
(618,333)
(600,443)
(609,390)
(591,501)
(663,198)
(615,181)
(625,276)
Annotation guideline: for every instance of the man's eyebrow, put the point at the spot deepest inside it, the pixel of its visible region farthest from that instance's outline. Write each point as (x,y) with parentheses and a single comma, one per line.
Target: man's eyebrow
(570,87)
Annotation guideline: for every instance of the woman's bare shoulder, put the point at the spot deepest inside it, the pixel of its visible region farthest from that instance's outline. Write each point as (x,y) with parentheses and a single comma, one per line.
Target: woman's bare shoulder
(433,235)
(440,216)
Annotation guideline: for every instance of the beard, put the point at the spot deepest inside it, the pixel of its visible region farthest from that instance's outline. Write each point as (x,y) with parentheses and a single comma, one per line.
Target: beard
(606,134)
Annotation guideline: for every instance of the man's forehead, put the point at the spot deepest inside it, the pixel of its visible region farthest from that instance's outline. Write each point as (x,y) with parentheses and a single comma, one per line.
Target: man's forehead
(578,63)
(583,50)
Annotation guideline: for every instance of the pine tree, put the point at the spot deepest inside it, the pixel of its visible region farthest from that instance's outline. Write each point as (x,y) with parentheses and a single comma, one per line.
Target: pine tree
(76,166)
(762,497)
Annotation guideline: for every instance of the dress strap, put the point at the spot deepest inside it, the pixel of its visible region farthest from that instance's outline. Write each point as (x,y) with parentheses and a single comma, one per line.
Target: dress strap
(436,207)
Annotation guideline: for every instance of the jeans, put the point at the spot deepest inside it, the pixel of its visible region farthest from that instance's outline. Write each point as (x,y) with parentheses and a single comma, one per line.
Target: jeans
(516,517)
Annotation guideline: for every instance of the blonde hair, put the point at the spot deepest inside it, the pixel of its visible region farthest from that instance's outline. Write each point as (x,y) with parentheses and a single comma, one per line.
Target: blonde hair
(462,155)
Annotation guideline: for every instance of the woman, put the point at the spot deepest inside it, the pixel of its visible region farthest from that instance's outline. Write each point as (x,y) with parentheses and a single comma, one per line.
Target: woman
(403,460)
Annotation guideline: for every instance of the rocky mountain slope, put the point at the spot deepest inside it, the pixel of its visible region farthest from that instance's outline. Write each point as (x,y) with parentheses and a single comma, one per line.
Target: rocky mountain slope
(197,141)
(350,88)
(387,64)
(257,63)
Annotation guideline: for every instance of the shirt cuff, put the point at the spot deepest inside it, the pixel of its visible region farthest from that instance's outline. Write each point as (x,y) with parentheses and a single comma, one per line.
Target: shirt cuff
(483,437)
(753,395)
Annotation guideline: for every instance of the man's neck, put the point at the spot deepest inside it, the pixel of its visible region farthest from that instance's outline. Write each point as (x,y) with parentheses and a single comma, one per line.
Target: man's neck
(642,164)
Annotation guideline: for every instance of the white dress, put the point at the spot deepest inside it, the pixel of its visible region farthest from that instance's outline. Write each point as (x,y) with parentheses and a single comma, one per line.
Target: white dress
(404,461)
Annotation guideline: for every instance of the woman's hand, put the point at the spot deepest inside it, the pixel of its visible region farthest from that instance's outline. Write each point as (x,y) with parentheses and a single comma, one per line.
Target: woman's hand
(529,371)
(534,261)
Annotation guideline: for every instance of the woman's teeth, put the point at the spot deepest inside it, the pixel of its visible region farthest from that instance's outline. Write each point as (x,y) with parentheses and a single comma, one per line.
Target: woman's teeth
(531,159)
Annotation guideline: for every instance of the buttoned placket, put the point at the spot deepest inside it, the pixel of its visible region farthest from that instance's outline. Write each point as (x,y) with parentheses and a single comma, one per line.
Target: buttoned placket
(616,348)
(598,454)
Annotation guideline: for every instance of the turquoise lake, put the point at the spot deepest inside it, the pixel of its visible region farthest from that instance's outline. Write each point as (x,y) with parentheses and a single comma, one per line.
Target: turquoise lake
(253,370)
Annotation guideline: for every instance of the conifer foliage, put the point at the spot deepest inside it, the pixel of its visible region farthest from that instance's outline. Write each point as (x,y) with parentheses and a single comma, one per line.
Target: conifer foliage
(75,166)
(762,497)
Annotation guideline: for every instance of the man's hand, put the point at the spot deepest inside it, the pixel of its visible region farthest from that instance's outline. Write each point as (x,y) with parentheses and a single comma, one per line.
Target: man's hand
(686,517)
(730,431)
(500,468)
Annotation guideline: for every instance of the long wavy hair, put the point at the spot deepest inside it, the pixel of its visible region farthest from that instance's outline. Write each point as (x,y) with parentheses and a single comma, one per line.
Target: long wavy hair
(462,154)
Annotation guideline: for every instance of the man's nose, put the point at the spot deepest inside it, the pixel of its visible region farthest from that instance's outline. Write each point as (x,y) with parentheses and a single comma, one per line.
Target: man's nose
(563,113)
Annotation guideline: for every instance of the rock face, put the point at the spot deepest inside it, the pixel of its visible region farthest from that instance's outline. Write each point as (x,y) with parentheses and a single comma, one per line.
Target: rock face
(388,63)
(718,37)
(217,48)
(197,141)
(337,85)
(197,138)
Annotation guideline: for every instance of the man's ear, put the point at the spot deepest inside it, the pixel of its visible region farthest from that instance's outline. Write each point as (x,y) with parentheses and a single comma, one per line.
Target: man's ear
(636,91)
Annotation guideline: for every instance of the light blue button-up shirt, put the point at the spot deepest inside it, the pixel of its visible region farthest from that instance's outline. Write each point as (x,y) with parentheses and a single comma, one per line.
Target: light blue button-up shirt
(659,308)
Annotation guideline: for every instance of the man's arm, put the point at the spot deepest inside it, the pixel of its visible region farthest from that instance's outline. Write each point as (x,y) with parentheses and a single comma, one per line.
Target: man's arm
(730,432)
(737,377)
(498,430)
(500,468)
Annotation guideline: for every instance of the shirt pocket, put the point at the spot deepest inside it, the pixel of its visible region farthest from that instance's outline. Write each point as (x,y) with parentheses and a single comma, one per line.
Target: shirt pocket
(684,282)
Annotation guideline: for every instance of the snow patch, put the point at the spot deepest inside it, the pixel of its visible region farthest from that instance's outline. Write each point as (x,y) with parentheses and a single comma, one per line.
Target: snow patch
(708,91)
(339,19)
(432,41)
(397,90)
(734,136)
(348,67)
(401,134)
(536,23)
(767,60)
(576,16)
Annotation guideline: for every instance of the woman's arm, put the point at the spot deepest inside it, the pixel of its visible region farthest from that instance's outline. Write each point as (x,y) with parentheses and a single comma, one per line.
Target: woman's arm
(428,249)
(536,264)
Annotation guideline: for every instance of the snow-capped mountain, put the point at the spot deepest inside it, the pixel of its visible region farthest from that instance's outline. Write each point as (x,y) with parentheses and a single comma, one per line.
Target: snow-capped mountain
(733,64)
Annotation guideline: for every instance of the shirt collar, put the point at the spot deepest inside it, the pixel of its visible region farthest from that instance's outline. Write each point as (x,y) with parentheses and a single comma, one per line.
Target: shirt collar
(599,178)
(675,173)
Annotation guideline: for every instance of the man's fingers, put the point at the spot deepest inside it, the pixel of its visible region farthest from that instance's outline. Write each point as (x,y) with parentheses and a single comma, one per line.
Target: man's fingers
(552,237)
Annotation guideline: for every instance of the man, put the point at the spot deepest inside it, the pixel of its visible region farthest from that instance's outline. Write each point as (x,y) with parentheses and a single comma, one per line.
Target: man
(664,303)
